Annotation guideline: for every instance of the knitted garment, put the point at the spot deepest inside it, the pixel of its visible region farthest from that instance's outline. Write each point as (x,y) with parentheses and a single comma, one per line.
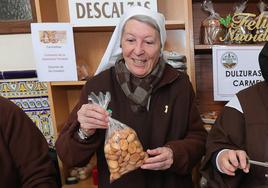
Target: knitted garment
(138,90)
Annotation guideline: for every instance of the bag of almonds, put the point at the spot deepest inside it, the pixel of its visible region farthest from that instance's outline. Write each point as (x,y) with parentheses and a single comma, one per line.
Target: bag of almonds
(123,150)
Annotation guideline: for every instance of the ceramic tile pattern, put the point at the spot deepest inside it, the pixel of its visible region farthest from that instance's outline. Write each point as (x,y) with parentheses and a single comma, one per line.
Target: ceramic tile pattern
(32,97)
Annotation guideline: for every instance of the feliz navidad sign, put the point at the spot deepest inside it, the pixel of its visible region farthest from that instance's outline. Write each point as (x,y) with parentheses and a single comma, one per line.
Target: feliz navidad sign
(246,27)
(102,12)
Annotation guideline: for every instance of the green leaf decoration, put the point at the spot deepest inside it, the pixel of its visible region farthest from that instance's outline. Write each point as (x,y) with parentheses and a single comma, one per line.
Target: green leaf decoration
(222,21)
(226,21)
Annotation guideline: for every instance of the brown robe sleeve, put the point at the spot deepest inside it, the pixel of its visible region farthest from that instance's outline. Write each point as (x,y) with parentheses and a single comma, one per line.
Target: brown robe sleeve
(71,149)
(227,133)
(27,146)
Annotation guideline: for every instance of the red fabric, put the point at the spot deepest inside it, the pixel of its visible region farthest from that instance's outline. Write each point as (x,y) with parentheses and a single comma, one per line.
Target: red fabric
(95,175)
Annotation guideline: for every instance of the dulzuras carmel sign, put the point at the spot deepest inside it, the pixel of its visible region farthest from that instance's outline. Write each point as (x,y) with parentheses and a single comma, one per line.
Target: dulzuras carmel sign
(102,12)
(246,27)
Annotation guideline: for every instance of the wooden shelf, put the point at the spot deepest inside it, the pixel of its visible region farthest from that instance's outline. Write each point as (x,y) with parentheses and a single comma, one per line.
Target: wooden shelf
(202,47)
(94,29)
(209,47)
(68,83)
(170,25)
(175,24)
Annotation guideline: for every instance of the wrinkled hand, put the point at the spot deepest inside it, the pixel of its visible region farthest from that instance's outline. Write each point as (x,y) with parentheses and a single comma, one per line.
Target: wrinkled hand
(160,159)
(231,160)
(92,117)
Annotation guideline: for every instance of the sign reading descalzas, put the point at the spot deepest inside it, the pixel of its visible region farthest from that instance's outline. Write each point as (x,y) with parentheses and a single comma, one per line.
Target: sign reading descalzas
(234,68)
(102,12)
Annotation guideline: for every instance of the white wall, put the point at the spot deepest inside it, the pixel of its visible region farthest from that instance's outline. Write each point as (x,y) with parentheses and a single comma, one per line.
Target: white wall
(16,52)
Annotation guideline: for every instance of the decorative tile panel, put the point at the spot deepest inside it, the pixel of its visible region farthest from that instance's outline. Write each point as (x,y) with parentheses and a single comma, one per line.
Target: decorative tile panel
(31,96)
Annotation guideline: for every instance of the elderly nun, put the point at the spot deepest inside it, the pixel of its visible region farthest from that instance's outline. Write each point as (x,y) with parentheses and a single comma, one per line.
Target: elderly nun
(149,96)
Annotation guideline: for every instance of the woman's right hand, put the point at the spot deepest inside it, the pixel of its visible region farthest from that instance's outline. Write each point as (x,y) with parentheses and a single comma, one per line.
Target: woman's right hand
(231,160)
(92,117)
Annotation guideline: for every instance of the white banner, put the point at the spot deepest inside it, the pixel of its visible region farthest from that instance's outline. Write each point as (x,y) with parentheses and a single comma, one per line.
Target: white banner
(102,12)
(53,47)
(234,68)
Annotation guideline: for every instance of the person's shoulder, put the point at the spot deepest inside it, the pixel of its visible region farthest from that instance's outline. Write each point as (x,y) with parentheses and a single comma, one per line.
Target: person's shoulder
(3,100)
(174,73)
(255,87)
(8,108)
(7,104)
(177,76)
(102,75)
(178,80)
(101,79)
(253,92)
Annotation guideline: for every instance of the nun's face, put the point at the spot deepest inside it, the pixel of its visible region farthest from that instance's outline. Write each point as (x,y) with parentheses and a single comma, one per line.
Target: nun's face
(141,47)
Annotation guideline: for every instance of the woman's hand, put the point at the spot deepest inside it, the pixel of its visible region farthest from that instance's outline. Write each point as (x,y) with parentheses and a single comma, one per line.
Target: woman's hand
(92,117)
(160,159)
(231,160)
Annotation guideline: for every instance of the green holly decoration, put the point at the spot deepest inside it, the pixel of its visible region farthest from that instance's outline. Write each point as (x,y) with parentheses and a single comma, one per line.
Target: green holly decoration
(226,21)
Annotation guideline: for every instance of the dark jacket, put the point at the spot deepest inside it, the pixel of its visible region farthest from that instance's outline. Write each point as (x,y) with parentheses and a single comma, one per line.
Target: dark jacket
(180,128)
(245,131)
(24,159)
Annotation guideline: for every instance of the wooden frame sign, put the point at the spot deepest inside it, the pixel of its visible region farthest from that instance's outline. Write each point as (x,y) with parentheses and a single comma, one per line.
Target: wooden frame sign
(84,13)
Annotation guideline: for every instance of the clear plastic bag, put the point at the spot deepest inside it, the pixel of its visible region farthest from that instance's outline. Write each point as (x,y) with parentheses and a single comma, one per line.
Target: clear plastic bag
(239,8)
(263,17)
(123,149)
(211,29)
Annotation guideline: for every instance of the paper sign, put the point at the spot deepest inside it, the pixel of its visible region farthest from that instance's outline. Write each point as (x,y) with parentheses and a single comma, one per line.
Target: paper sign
(54,53)
(234,68)
(102,12)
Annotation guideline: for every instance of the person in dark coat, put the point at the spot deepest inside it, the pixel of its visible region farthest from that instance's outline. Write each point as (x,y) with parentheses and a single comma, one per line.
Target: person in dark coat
(149,96)
(239,134)
(24,156)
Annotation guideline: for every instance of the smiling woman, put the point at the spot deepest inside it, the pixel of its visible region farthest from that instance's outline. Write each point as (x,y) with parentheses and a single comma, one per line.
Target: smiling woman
(140,51)
(148,95)
(16,16)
